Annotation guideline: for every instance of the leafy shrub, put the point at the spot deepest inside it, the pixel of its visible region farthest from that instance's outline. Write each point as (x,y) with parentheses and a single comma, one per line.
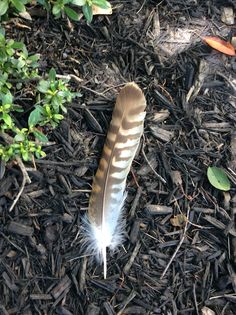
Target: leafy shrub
(59,8)
(51,96)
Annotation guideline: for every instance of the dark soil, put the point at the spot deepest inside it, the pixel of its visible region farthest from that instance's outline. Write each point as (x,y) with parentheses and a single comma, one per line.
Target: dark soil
(190,125)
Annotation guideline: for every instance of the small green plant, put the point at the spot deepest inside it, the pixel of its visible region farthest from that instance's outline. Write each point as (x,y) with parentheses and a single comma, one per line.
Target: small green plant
(218,178)
(51,96)
(59,8)
(15,61)
(16,5)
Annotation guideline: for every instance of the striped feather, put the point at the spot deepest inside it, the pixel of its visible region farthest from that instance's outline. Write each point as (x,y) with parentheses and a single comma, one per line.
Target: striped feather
(108,190)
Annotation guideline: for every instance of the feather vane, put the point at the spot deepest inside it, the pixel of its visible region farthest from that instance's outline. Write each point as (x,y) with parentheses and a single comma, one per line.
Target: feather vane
(105,224)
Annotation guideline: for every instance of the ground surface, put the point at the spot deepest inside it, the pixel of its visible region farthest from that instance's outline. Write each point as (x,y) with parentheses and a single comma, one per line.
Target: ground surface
(190,125)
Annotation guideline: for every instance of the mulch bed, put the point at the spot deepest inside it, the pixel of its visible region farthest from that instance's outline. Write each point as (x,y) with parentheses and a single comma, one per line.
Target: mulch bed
(165,266)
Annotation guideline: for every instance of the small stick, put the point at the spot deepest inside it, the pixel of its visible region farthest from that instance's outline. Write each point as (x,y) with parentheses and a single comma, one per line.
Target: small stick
(132,258)
(177,248)
(23,170)
(25,180)
(95,92)
(69,77)
(149,164)
(19,193)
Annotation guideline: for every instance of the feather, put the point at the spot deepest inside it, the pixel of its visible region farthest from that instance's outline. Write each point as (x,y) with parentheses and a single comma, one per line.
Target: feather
(105,224)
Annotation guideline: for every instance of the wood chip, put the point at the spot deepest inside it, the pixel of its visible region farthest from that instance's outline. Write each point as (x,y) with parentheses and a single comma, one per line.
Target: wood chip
(218,224)
(232,163)
(145,168)
(135,202)
(21,229)
(158,209)
(160,116)
(134,232)
(9,282)
(176,178)
(161,134)
(207,311)
(62,286)
(227,15)
(132,258)
(93,310)
(3,311)
(92,121)
(63,311)
(40,297)
(220,127)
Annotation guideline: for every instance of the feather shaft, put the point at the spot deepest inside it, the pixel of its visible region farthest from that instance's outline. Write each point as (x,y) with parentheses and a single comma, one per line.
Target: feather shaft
(105,223)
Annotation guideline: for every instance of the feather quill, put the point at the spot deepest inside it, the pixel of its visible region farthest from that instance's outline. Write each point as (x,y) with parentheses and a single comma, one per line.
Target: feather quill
(105,225)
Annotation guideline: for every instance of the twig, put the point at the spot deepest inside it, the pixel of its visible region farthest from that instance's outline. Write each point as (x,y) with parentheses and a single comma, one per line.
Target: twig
(195,298)
(95,92)
(21,189)
(58,76)
(149,164)
(177,248)
(69,77)
(8,139)
(127,300)
(23,169)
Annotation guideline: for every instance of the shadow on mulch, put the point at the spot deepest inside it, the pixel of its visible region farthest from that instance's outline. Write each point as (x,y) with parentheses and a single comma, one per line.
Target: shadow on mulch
(162,268)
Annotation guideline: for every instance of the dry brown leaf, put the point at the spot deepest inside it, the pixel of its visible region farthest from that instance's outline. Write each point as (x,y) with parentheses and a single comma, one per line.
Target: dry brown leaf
(179,220)
(99,11)
(220,45)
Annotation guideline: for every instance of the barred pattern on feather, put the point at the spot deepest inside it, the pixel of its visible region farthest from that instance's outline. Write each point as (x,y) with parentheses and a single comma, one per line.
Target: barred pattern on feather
(105,224)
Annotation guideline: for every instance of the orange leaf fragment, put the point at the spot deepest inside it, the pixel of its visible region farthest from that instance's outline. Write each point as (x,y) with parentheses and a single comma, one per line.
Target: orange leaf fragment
(220,45)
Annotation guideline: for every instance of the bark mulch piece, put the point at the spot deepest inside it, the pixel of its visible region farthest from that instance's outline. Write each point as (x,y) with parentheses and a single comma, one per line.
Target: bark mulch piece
(162,268)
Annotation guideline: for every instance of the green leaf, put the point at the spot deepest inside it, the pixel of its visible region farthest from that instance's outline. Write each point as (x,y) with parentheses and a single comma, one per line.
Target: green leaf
(2,30)
(88,12)
(78,2)
(20,64)
(58,116)
(77,94)
(57,9)
(52,74)
(7,98)
(34,57)
(3,7)
(102,4)
(25,155)
(45,4)
(17,45)
(43,86)
(40,136)
(19,137)
(19,85)
(218,178)
(35,117)
(71,14)
(18,5)
(7,106)
(7,119)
